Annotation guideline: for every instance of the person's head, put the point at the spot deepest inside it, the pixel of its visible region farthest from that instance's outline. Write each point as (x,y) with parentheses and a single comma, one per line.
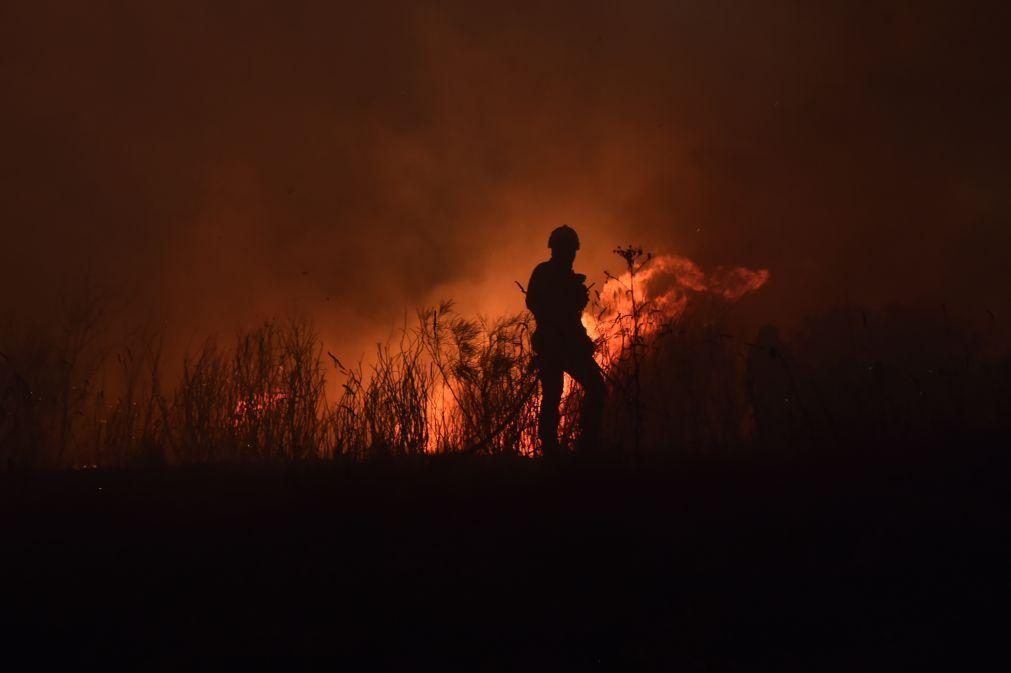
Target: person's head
(564,242)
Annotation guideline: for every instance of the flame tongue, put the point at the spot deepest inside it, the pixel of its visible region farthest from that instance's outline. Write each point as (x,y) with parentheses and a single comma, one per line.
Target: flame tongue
(665,284)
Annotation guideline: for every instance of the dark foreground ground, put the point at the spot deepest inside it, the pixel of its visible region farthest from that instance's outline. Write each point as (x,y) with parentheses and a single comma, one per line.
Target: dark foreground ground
(873,562)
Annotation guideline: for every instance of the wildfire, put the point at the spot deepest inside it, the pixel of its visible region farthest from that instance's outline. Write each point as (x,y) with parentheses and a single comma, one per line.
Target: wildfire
(258,405)
(417,403)
(659,291)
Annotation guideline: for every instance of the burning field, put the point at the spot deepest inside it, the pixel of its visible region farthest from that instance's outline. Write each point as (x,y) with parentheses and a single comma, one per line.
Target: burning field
(679,382)
(446,383)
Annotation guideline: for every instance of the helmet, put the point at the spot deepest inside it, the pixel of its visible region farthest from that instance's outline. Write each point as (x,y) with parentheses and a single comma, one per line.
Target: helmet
(564,237)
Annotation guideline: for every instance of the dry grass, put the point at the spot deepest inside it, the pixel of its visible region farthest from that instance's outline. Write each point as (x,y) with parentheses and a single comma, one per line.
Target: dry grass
(451,383)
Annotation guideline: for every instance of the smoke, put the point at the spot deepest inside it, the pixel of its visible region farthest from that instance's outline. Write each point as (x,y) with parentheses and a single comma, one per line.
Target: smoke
(213,165)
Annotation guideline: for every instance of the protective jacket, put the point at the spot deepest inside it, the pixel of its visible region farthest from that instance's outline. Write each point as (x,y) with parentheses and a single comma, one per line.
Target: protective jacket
(557,296)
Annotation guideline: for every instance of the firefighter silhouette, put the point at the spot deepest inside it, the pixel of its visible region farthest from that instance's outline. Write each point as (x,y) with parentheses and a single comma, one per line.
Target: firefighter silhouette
(556,295)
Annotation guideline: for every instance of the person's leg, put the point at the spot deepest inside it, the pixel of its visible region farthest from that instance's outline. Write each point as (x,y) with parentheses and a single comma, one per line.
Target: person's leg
(587,374)
(551,396)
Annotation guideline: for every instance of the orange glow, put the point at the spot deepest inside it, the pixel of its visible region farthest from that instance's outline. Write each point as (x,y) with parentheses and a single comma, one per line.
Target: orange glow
(662,288)
(258,405)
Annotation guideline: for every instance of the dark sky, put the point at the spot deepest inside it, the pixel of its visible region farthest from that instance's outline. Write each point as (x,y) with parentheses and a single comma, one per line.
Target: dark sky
(213,163)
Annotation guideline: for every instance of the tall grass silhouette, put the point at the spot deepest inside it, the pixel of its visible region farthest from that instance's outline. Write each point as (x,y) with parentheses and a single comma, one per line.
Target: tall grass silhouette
(679,383)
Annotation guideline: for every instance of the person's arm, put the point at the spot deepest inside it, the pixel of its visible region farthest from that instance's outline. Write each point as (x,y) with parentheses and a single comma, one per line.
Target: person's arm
(535,293)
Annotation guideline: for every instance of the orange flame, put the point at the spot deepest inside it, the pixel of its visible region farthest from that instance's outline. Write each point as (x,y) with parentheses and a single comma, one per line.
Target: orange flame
(665,285)
(259,404)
